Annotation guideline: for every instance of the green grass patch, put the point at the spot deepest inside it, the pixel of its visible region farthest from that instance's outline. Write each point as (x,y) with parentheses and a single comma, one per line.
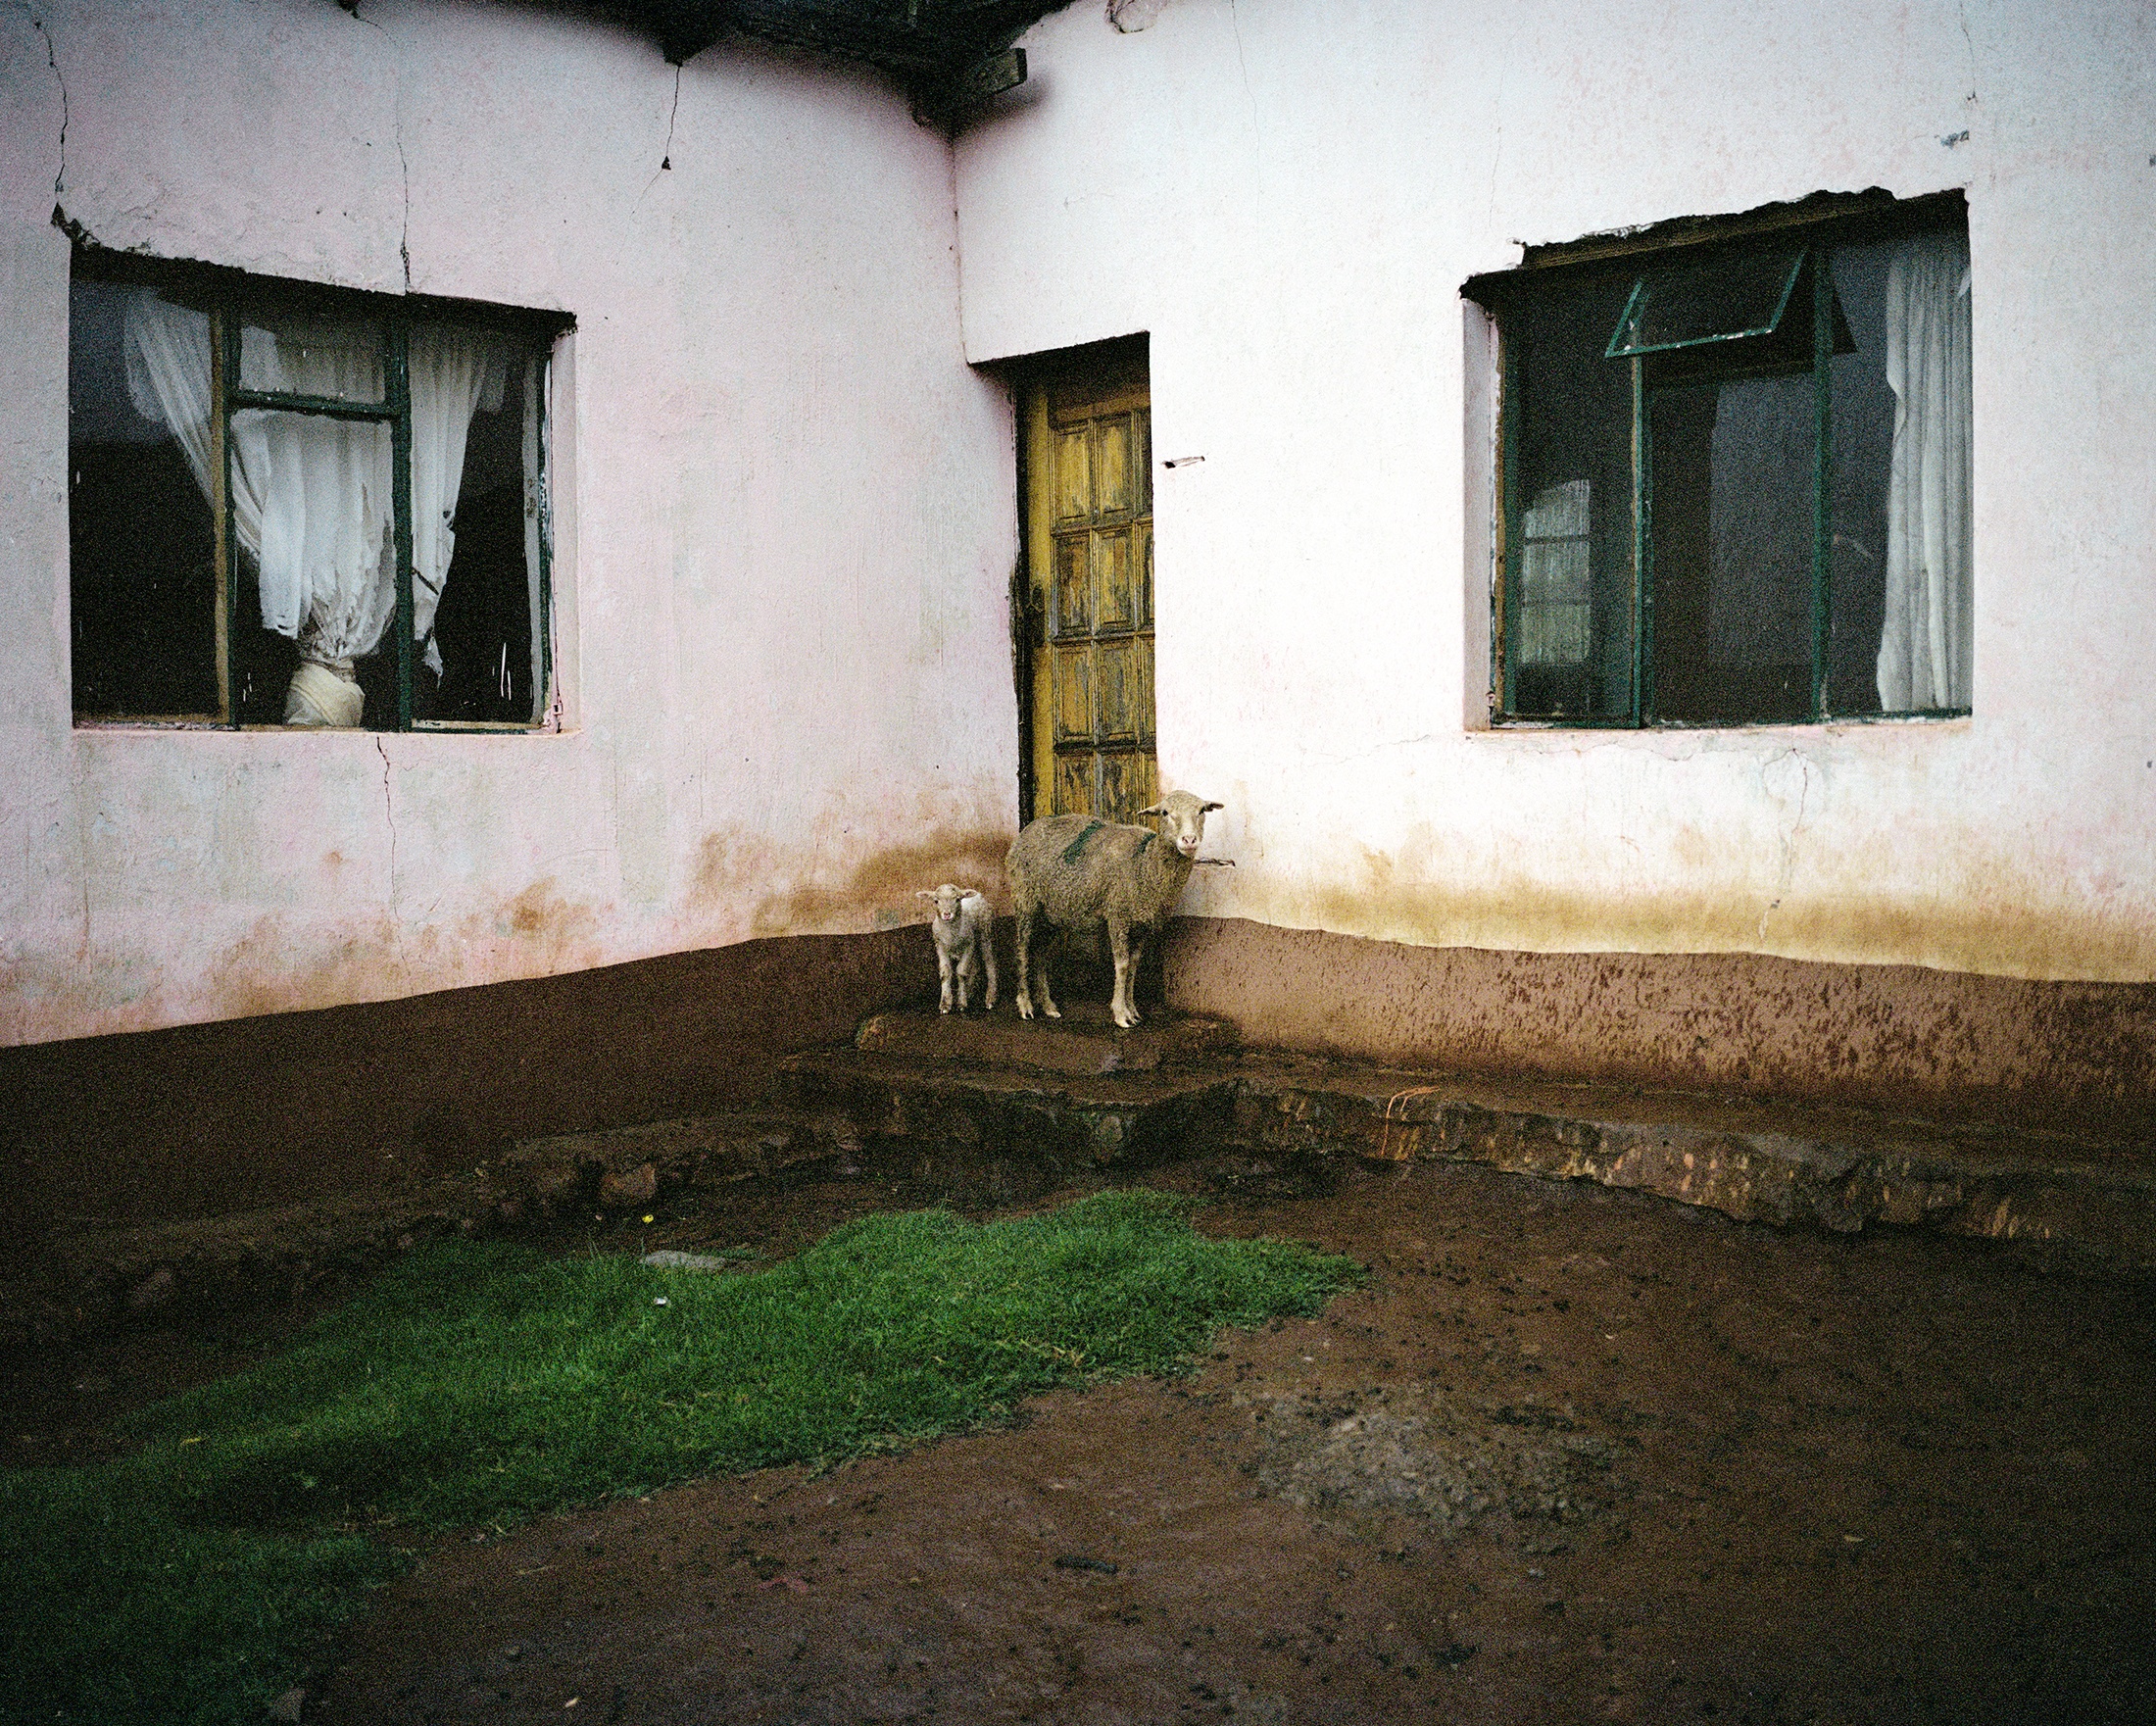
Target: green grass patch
(484,1384)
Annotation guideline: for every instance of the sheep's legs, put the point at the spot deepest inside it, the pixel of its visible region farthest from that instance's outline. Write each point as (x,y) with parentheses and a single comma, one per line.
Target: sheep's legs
(988,960)
(1127,954)
(943,973)
(1031,973)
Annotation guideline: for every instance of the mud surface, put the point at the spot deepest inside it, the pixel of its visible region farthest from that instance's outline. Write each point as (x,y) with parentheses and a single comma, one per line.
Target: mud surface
(1573,1455)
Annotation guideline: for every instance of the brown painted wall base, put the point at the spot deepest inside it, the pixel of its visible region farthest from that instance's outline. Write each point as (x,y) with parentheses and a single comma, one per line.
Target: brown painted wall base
(2077,1057)
(246,1113)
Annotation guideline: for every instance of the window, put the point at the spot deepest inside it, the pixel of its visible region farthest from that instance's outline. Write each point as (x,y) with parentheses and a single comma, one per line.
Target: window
(291,506)
(1736,474)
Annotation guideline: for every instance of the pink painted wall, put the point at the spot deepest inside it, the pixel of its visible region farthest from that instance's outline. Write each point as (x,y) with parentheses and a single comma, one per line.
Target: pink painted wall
(784,523)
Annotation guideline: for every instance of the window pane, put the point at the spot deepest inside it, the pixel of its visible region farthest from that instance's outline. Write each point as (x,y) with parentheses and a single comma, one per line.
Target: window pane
(302,355)
(1556,585)
(482,664)
(1568,610)
(1732,548)
(313,507)
(1863,454)
(1719,300)
(142,573)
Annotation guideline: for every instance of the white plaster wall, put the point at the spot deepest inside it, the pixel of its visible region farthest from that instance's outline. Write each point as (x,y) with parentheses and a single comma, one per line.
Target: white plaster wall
(1288,195)
(784,521)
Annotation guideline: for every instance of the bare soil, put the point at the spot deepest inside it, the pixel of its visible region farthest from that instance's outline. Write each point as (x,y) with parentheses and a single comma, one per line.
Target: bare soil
(1571,1454)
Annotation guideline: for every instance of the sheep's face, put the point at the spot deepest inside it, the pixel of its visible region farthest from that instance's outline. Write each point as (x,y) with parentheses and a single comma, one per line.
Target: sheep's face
(947,900)
(1182,820)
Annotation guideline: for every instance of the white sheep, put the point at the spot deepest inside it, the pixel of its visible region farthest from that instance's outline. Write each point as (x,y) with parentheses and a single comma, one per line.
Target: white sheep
(1074,871)
(963,949)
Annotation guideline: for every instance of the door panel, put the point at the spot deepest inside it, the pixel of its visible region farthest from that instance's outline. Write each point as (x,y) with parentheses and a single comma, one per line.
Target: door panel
(1088,518)
(1073,586)
(1114,581)
(1071,678)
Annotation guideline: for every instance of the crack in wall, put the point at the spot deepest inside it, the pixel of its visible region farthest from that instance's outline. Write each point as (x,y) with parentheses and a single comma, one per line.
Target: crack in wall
(667,156)
(1497,131)
(389,814)
(1969,42)
(52,59)
(404,162)
(1788,872)
(665,152)
(404,236)
(1243,64)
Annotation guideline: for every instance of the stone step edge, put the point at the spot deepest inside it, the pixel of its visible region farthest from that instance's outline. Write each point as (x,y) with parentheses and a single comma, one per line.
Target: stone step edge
(89,1278)
(621,1166)
(1851,1173)
(93,1275)
(1900,1174)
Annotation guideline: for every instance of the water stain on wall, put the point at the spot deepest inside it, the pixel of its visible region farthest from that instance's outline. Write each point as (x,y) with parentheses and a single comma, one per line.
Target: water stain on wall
(880,887)
(1995,925)
(275,967)
(539,921)
(279,967)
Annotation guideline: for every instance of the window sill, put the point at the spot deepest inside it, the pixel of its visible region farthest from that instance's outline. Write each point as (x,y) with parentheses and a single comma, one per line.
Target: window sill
(1672,728)
(216,727)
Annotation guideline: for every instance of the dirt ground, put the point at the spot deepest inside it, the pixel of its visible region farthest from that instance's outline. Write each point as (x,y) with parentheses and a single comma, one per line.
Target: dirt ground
(1571,1456)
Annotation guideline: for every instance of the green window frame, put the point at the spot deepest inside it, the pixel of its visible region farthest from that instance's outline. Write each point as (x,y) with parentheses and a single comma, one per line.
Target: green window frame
(232,302)
(1702,308)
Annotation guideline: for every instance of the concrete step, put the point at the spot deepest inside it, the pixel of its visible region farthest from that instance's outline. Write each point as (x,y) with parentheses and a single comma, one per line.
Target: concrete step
(1083,1041)
(1063,1121)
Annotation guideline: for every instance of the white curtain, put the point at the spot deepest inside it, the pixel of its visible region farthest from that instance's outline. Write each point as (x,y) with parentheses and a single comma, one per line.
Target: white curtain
(1924,650)
(454,374)
(311,495)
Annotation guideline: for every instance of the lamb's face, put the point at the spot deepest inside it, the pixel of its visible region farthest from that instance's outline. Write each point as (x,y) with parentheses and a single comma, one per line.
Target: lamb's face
(946,898)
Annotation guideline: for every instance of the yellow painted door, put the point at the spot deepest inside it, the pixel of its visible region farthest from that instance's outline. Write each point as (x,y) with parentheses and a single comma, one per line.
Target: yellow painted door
(1089,550)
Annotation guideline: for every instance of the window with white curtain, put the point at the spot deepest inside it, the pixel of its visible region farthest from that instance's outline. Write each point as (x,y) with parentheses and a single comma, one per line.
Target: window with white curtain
(292,505)
(1735,471)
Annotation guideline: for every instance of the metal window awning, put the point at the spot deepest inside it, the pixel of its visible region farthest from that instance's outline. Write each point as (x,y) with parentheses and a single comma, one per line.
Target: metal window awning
(1727,300)
(1753,308)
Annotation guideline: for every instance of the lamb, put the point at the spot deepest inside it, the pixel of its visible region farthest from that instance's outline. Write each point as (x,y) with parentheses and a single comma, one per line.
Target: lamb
(963,950)
(1074,871)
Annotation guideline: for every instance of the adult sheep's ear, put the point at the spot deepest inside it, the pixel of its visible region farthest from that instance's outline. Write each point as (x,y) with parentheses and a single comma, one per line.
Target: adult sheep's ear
(1208,807)
(1156,810)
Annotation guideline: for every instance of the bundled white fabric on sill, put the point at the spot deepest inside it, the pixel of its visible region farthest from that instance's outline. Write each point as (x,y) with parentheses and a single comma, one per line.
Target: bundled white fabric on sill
(324,695)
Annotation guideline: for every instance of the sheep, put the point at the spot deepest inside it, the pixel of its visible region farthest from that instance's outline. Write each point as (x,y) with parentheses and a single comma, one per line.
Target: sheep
(963,949)
(1074,871)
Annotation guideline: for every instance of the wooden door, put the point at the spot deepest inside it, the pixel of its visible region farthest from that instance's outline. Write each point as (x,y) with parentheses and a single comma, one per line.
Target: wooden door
(1089,555)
